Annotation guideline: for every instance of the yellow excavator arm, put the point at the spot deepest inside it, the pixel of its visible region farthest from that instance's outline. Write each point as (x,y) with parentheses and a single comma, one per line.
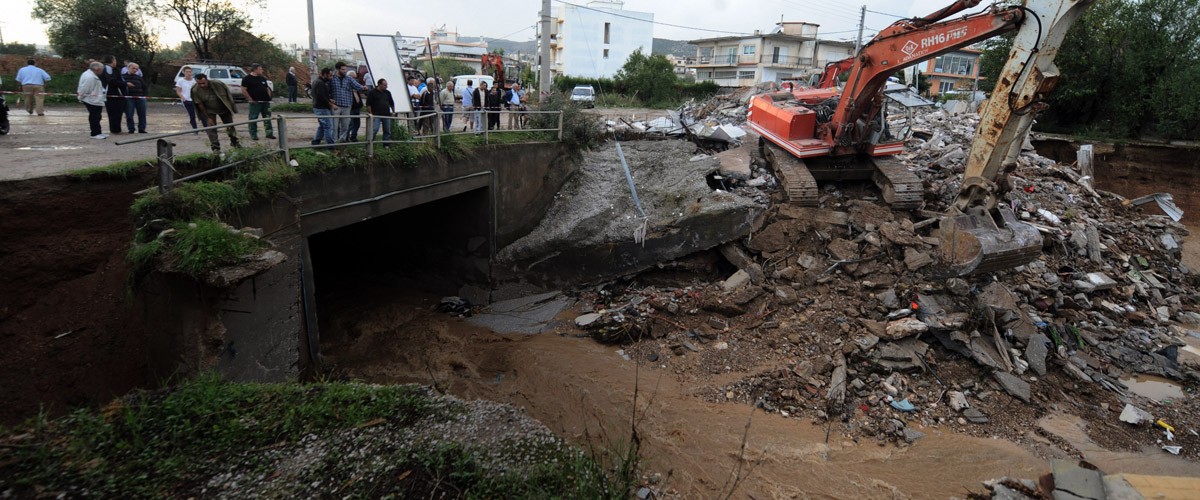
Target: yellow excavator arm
(987,235)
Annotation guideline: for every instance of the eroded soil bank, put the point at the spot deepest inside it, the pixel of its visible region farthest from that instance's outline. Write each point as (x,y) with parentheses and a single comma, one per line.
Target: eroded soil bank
(71,333)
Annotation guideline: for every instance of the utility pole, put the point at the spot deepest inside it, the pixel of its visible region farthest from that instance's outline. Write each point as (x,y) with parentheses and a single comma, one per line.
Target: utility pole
(544,54)
(862,17)
(312,43)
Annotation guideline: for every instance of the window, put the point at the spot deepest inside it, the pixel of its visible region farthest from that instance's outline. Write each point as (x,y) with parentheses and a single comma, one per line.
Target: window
(218,74)
(606,53)
(607,30)
(748,50)
(745,75)
(954,64)
(945,86)
(724,75)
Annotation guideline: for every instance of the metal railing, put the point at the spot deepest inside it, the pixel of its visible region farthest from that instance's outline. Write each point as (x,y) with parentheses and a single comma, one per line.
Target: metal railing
(415,125)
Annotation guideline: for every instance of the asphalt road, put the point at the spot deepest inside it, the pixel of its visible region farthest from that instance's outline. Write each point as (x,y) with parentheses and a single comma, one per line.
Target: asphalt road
(39,146)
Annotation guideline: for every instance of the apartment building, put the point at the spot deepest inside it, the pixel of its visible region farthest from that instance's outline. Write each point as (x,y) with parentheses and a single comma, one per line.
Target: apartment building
(791,50)
(594,40)
(957,71)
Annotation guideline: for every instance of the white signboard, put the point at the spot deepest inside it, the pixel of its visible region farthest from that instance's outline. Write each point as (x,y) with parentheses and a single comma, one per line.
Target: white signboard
(383,62)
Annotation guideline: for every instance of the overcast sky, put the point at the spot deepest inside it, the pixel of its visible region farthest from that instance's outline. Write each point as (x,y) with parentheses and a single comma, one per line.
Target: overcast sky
(338,21)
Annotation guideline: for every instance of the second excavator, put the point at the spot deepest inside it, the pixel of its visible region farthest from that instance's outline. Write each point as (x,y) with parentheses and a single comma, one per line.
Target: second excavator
(827,133)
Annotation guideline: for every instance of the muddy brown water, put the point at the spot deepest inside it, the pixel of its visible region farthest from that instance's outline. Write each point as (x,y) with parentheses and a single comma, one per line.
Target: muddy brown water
(584,391)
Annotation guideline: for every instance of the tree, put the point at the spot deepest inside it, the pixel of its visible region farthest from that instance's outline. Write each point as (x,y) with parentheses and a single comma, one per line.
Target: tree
(445,66)
(95,28)
(22,49)
(650,79)
(206,19)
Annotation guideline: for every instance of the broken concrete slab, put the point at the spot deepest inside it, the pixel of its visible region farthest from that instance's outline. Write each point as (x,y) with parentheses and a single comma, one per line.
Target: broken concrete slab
(530,314)
(1134,415)
(588,232)
(1035,353)
(1072,481)
(735,281)
(974,416)
(1013,385)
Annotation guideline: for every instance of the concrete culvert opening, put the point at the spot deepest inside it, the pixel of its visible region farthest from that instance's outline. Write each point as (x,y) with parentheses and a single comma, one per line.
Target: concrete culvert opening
(405,256)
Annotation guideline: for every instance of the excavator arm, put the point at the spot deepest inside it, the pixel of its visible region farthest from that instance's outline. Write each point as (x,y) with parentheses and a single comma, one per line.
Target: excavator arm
(988,236)
(905,43)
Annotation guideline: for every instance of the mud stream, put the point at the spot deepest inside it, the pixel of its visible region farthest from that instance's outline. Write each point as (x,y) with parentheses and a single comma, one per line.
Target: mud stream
(585,392)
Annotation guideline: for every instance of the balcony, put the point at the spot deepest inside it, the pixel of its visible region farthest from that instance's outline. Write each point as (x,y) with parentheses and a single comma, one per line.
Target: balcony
(794,62)
(724,60)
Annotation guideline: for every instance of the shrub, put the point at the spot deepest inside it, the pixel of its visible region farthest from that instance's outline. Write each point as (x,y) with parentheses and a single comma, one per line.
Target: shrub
(580,130)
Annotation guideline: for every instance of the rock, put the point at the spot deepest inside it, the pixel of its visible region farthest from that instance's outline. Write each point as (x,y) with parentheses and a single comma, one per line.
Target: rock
(1013,385)
(911,434)
(736,280)
(975,416)
(785,295)
(843,250)
(1100,281)
(1076,481)
(958,400)
(1035,353)
(904,327)
(915,259)
(1134,415)
(958,286)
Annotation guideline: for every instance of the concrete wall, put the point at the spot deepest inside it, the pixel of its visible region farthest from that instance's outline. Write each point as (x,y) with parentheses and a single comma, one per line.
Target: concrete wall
(264,328)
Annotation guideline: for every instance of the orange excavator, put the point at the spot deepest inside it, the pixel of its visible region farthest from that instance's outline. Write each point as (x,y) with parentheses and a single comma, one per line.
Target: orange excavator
(827,133)
(496,63)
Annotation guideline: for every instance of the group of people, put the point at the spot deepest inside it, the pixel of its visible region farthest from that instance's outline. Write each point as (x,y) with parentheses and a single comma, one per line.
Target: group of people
(339,97)
(484,104)
(120,89)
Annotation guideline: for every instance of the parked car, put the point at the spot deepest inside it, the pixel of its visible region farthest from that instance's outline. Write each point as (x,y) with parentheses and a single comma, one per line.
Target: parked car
(585,95)
(227,74)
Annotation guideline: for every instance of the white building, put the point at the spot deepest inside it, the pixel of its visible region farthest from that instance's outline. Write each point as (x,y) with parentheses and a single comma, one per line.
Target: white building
(791,50)
(593,40)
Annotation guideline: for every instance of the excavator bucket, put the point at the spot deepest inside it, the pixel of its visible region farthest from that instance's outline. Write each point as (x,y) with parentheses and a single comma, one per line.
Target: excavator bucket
(986,241)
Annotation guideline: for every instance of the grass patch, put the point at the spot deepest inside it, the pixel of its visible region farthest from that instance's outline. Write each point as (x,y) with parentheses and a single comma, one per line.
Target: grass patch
(292,107)
(154,444)
(211,199)
(202,245)
(122,170)
(266,179)
(285,441)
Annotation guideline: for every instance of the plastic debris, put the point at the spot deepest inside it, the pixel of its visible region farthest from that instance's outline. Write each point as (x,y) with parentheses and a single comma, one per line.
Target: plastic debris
(1174,450)
(903,405)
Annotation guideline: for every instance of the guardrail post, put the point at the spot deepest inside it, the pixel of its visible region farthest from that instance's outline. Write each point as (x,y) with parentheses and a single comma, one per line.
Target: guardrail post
(437,128)
(283,145)
(166,166)
(486,128)
(560,121)
(370,136)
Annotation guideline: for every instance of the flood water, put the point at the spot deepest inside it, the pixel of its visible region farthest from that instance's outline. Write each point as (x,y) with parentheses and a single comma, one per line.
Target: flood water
(1153,387)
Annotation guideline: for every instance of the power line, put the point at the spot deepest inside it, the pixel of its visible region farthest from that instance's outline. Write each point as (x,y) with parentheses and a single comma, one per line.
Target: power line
(886,14)
(505,37)
(652,22)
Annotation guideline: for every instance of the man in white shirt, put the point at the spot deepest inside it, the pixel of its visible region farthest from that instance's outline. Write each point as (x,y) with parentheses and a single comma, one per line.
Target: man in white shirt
(183,89)
(91,93)
(468,103)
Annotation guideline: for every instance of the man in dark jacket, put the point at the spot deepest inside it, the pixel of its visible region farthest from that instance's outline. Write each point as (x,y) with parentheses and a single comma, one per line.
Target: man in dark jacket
(214,100)
(115,104)
(135,94)
(382,108)
(258,93)
(292,84)
(323,106)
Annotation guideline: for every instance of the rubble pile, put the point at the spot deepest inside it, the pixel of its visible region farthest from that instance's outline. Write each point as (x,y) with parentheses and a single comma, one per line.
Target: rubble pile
(715,123)
(837,312)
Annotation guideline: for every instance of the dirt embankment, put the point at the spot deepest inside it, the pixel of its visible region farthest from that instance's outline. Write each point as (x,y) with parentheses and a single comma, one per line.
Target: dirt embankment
(70,330)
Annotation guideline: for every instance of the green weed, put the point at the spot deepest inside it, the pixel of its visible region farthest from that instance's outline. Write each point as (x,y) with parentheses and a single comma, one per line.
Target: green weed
(202,245)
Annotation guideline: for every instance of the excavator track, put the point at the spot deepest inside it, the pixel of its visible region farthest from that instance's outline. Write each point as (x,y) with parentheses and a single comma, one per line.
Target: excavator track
(798,183)
(901,189)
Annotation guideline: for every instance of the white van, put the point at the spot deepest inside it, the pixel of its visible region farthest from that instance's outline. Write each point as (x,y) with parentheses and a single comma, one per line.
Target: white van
(231,76)
(460,83)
